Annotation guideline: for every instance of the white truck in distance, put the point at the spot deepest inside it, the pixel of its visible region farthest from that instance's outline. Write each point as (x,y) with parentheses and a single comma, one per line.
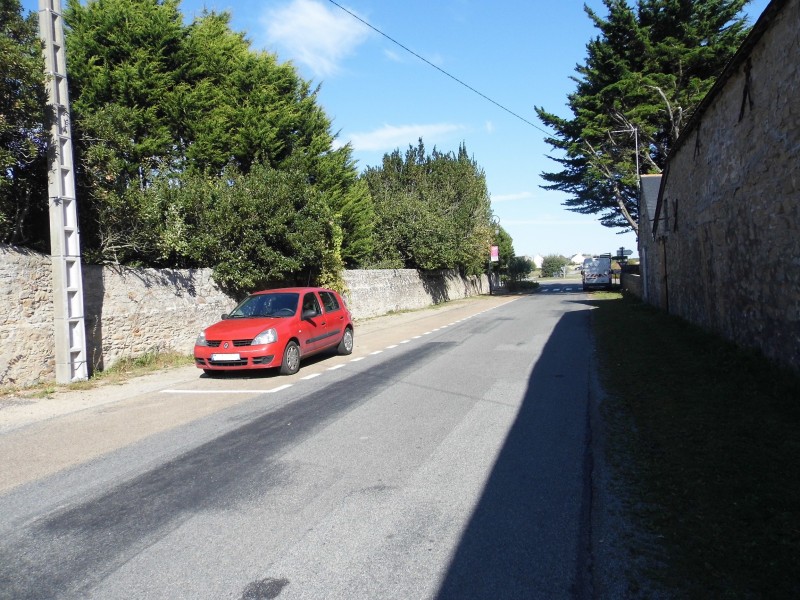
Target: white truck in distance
(596,272)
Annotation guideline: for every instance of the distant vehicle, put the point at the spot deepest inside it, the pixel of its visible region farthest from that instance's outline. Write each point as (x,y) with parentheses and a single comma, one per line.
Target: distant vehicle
(276,328)
(596,272)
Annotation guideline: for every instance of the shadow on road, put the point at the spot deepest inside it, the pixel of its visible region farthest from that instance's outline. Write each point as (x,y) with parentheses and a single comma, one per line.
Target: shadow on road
(528,536)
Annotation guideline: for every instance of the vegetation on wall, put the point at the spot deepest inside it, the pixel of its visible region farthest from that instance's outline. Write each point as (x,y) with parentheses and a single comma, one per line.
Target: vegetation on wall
(194,150)
(432,211)
(24,131)
(552,265)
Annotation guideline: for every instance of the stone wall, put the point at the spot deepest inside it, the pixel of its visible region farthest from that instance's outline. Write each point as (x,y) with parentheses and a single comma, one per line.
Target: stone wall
(131,312)
(372,293)
(729,214)
(26,316)
(631,283)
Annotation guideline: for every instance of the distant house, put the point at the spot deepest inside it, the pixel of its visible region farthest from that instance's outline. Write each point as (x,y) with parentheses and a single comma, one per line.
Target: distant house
(577,259)
(538,261)
(721,245)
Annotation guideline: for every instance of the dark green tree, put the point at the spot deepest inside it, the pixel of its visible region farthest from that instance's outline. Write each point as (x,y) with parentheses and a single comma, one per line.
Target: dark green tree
(257,229)
(24,131)
(552,265)
(162,109)
(123,66)
(644,75)
(519,268)
(432,211)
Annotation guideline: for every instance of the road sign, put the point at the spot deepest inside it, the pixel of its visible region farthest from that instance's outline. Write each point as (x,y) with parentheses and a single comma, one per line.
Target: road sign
(623,252)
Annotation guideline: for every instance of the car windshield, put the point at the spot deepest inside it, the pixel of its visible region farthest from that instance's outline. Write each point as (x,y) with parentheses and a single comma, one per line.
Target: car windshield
(266,305)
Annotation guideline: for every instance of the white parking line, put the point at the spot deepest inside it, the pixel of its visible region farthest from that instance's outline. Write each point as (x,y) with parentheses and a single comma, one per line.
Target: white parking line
(392,346)
(280,388)
(311,376)
(334,367)
(213,391)
(357,358)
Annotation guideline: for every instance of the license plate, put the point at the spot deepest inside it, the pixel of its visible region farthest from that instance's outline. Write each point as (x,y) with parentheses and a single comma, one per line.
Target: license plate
(225,357)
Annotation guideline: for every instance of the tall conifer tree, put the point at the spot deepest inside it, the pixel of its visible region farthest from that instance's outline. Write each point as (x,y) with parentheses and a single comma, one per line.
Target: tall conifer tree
(24,131)
(644,75)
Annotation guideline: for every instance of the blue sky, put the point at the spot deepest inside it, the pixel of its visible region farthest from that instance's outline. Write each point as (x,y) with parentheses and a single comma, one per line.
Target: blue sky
(519,53)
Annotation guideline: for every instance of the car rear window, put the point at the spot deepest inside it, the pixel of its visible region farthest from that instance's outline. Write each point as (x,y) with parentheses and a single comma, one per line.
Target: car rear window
(329,301)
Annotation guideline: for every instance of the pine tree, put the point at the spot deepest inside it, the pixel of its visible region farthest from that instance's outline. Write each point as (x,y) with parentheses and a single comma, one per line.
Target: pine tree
(24,131)
(432,211)
(644,74)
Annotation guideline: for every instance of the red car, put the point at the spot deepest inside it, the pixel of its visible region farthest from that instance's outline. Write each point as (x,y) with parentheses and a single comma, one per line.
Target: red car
(276,328)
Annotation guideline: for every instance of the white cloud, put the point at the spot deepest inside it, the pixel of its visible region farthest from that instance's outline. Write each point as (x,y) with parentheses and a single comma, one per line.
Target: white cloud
(489,127)
(389,137)
(392,55)
(314,35)
(511,197)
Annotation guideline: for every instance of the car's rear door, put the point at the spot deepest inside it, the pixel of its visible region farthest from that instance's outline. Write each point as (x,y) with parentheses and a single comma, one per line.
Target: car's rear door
(336,317)
(314,328)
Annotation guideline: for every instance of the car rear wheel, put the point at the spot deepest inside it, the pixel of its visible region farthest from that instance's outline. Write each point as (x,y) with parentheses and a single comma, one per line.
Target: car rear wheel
(291,359)
(346,345)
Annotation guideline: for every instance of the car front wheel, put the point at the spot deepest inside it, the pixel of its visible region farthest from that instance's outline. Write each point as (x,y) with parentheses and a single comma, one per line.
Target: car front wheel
(291,359)
(346,345)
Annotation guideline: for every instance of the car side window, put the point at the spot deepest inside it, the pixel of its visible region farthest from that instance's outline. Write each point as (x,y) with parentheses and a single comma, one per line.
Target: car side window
(310,303)
(329,301)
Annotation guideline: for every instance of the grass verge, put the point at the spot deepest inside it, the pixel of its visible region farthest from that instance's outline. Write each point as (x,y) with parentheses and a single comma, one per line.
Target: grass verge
(120,372)
(706,438)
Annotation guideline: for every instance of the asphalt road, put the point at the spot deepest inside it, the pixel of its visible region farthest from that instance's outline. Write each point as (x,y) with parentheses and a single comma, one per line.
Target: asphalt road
(449,457)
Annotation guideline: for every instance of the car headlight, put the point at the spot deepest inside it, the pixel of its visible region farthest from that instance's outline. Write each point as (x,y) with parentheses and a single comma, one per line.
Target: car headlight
(270,336)
(201,339)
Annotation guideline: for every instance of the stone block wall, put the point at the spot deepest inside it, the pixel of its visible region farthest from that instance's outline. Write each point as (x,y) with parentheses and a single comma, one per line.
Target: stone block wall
(631,283)
(26,316)
(372,293)
(729,214)
(131,312)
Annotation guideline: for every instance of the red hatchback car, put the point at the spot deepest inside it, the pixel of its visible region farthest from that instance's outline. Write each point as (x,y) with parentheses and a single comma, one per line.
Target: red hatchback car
(276,328)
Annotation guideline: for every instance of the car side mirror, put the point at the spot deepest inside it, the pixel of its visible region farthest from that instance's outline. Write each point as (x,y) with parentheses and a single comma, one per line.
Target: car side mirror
(309,313)
(224,316)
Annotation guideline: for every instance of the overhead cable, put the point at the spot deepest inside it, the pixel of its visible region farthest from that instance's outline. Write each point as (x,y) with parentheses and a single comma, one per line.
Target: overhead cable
(426,61)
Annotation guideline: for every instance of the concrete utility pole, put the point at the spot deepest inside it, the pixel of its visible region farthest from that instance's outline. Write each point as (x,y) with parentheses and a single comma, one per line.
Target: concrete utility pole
(65,247)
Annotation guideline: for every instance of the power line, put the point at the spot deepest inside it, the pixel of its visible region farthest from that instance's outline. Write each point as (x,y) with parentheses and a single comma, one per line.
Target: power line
(453,77)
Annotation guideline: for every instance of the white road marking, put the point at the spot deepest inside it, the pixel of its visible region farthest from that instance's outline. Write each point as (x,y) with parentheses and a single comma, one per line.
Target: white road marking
(280,388)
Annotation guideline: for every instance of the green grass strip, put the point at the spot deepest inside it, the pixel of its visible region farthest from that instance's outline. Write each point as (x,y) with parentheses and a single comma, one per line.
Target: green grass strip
(706,437)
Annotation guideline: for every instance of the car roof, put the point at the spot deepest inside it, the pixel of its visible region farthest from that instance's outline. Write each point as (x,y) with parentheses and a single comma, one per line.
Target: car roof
(293,290)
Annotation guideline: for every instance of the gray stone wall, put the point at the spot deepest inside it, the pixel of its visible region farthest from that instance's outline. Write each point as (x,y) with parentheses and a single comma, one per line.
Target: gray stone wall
(131,312)
(729,223)
(372,293)
(26,316)
(631,283)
